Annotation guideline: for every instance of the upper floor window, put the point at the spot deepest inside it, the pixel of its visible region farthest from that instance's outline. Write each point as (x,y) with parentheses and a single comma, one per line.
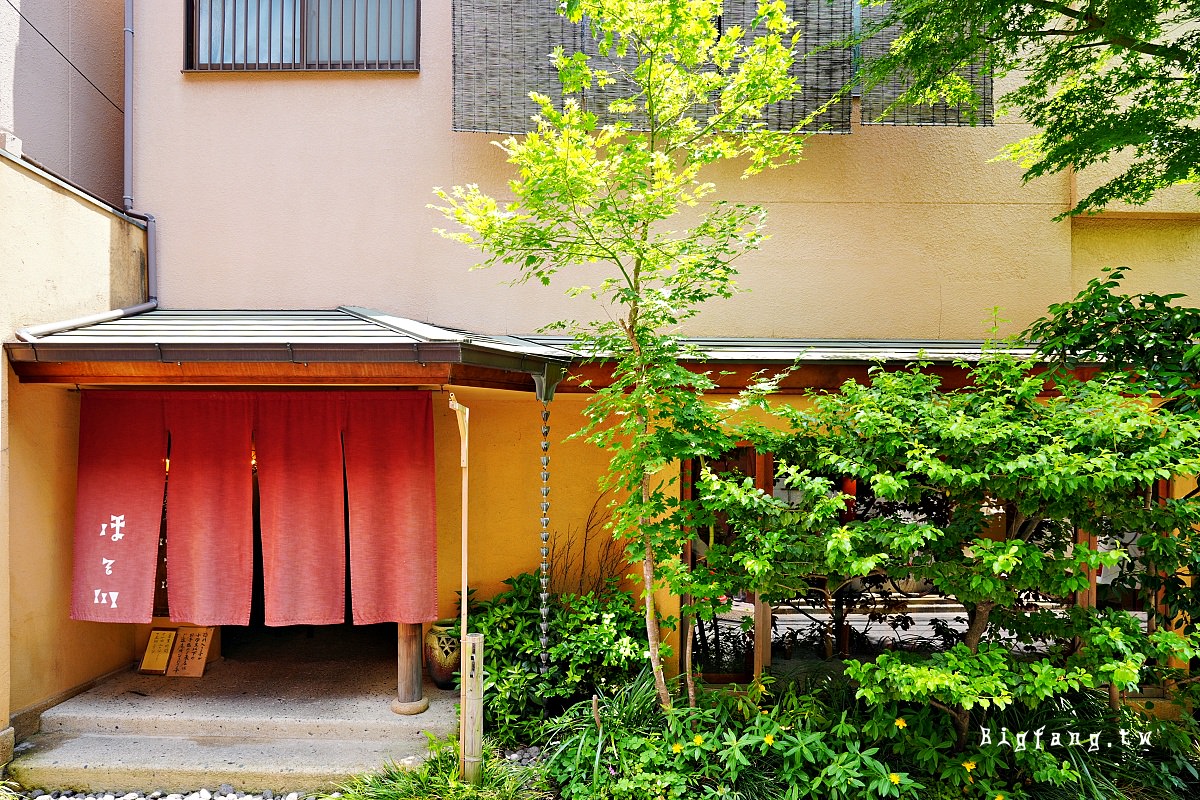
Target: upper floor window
(303,34)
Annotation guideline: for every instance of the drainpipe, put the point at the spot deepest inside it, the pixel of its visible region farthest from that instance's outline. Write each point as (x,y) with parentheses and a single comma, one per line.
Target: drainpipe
(127,154)
(33,332)
(127,116)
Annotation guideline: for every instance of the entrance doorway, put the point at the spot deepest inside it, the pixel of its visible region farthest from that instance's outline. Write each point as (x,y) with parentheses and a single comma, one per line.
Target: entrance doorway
(257,641)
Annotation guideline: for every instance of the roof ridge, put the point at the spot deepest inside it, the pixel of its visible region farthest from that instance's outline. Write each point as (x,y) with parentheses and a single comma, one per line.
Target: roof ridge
(422,331)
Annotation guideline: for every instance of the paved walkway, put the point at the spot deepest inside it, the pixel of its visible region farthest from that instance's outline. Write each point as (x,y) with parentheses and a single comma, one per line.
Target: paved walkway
(299,724)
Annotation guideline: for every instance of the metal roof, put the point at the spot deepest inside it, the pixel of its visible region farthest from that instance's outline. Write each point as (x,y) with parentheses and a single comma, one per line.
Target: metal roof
(343,335)
(351,334)
(813,351)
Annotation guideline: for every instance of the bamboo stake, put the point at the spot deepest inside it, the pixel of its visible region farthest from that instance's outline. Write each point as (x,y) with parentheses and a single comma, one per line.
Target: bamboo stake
(463,414)
(472,710)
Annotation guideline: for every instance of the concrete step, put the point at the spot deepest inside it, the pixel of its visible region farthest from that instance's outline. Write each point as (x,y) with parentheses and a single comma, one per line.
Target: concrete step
(283,725)
(280,700)
(251,720)
(119,763)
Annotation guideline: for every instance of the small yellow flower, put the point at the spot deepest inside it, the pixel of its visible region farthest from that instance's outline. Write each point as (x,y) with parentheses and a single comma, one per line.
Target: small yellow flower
(697,740)
(968,765)
(999,797)
(900,723)
(768,740)
(894,778)
(677,748)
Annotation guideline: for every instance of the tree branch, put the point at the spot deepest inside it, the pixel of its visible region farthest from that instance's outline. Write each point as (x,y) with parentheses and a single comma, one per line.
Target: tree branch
(1098,24)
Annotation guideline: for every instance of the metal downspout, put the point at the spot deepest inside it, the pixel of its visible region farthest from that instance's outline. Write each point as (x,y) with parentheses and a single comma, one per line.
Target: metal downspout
(127,117)
(32,333)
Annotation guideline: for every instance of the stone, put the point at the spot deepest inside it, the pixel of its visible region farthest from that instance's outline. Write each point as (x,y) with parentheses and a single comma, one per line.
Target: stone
(225,789)
(269,795)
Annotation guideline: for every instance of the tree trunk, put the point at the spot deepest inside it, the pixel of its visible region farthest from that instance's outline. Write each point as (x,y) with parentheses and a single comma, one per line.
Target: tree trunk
(962,721)
(689,631)
(975,630)
(978,625)
(652,632)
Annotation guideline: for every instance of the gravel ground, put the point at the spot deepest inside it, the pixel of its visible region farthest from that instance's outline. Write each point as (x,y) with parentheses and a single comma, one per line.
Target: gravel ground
(525,756)
(224,792)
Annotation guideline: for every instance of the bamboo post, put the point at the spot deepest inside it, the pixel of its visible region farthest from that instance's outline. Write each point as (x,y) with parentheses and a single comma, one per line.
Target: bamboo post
(410,699)
(463,414)
(471,724)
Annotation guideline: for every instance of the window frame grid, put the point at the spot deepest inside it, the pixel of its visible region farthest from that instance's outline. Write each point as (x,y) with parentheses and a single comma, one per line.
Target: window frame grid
(404,18)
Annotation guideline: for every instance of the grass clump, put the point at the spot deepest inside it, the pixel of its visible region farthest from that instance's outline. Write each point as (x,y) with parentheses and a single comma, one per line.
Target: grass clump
(438,778)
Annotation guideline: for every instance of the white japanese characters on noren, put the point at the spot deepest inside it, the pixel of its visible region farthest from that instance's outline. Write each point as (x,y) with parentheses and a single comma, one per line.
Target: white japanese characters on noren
(100,596)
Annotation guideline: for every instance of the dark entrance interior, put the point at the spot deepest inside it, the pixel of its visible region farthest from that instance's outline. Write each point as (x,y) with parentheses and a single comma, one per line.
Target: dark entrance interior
(296,643)
(304,643)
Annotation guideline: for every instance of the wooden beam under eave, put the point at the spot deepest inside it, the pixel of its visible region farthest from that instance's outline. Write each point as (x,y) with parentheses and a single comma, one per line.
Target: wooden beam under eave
(157,373)
(732,378)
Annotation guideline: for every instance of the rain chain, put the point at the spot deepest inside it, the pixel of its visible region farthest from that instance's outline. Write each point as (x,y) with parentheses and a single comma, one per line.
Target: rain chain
(545,567)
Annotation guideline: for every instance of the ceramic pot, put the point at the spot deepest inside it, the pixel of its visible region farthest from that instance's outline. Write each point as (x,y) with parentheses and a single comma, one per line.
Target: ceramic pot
(442,653)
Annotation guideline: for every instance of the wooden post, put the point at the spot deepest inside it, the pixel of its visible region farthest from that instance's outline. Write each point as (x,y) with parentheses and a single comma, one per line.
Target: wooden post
(410,697)
(471,763)
(762,635)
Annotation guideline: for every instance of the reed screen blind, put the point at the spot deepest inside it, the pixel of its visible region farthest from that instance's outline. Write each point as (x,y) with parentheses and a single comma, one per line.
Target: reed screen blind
(502,53)
(877,103)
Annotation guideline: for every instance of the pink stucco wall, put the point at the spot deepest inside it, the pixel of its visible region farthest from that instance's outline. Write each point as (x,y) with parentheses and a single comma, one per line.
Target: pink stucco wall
(310,190)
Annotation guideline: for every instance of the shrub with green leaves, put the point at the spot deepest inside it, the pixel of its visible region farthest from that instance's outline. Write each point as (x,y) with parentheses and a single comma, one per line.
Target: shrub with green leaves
(1020,466)
(818,738)
(731,745)
(438,778)
(596,640)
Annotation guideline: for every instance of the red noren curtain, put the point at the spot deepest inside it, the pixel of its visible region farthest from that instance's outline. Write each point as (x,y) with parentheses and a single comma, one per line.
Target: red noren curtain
(210,516)
(382,439)
(393,533)
(297,439)
(118,505)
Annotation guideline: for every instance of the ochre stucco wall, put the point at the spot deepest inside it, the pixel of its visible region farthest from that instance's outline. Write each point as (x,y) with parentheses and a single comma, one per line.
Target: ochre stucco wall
(52,653)
(80,258)
(1164,253)
(504,489)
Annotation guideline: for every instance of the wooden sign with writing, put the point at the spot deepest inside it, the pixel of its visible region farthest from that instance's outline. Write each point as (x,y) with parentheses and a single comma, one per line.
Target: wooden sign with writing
(191,652)
(158,652)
